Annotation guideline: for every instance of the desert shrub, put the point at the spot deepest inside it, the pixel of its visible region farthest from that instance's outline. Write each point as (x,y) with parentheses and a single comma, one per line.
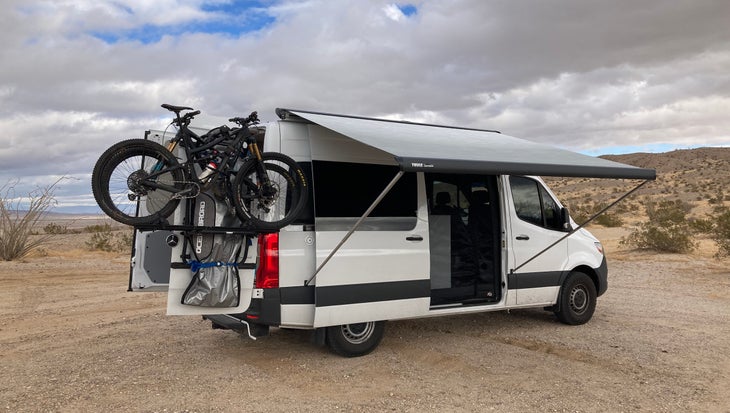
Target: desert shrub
(105,239)
(608,219)
(701,226)
(58,229)
(666,231)
(55,229)
(717,199)
(721,233)
(584,212)
(100,241)
(98,228)
(719,209)
(19,217)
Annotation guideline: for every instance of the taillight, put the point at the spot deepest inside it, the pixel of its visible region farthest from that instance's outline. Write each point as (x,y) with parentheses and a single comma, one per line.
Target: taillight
(267,272)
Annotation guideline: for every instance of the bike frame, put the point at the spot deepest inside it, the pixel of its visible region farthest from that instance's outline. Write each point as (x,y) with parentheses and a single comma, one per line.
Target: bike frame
(187,136)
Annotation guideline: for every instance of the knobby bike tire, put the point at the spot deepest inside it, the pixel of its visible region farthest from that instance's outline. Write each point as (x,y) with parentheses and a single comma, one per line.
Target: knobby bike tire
(269,210)
(112,182)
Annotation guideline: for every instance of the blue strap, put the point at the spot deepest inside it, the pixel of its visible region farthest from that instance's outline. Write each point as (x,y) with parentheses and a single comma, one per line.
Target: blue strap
(195,266)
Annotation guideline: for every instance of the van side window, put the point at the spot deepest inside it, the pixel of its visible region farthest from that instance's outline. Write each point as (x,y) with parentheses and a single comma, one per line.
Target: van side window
(533,203)
(550,210)
(343,189)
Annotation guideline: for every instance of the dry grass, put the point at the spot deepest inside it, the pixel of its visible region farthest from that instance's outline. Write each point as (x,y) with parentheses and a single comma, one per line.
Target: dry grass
(19,219)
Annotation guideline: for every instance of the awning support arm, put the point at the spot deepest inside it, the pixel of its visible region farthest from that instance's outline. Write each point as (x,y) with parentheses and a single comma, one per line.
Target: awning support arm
(357,224)
(599,213)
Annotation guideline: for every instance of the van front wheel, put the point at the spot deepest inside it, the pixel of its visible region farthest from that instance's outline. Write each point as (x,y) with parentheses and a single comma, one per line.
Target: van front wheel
(354,340)
(577,299)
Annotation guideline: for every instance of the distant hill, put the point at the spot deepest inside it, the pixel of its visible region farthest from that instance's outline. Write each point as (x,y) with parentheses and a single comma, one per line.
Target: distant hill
(699,177)
(75,221)
(86,210)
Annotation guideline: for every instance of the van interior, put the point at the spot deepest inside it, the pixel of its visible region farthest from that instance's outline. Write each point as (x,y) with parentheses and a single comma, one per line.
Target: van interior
(464,232)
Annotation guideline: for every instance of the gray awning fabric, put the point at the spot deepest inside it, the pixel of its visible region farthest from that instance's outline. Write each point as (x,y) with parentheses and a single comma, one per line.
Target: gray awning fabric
(434,148)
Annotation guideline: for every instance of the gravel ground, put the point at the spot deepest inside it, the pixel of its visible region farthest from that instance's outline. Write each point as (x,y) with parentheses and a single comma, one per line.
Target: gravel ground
(72,339)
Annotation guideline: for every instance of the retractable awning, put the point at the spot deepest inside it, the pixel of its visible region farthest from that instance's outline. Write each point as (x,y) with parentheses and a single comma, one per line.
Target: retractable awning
(434,148)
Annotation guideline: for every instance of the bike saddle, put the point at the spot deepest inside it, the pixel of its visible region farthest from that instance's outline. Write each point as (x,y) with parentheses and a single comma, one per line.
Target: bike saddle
(174,108)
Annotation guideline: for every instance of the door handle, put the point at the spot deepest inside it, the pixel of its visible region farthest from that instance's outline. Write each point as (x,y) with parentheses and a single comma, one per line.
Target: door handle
(523,238)
(414,238)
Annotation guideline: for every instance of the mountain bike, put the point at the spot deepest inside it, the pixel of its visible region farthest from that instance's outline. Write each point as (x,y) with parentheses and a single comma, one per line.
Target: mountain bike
(139,182)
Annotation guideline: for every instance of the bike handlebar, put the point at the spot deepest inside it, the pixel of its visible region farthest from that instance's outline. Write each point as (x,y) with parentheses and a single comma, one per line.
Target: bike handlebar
(184,120)
(252,118)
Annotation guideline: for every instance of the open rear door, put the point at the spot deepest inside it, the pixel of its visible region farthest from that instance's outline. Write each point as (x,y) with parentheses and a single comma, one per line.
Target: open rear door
(150,258)
(180,280)
(210,272)
(150,262)
(161,258)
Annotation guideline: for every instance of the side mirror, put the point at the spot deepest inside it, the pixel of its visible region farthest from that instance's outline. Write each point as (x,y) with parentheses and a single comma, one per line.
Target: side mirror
(565,219)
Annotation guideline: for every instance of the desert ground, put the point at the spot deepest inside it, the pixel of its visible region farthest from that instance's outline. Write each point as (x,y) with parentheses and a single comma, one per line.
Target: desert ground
(73,339)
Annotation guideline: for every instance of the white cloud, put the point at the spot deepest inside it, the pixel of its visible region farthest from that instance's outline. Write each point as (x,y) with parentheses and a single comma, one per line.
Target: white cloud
(393,12)
(613,107)
(421,116)
(76,16)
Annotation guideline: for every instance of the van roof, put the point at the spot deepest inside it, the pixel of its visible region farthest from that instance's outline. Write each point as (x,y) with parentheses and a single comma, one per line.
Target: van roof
(436,148)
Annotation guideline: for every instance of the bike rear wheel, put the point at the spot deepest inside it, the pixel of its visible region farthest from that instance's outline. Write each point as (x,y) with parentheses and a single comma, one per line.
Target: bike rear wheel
(122,180)
(274,200)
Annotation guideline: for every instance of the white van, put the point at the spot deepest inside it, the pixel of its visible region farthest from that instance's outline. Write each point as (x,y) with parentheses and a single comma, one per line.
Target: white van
(404,220)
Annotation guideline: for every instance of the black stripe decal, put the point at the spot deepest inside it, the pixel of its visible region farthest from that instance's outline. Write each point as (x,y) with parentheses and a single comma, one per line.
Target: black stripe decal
(368,293)
(297,295)
(399,290)
(534,279)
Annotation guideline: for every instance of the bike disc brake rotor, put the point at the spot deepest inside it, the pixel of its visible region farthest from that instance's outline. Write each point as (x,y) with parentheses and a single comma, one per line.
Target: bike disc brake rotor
(268,194)
(157,199)
(134,183)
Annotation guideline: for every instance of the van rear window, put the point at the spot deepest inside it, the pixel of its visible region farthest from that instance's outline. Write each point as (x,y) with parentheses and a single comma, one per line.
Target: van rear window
(343,189)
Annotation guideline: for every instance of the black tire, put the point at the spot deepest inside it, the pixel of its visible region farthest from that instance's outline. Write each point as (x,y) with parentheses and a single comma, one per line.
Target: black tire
(577,300)
(266,209)
(123,197)
(354,340)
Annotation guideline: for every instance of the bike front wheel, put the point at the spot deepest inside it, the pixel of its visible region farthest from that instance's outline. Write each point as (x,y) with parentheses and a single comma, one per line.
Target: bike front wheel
(127,181)
(270,193)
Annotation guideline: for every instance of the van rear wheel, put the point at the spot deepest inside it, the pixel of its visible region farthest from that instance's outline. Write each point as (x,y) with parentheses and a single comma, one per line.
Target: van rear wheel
(354,340)
(577,299)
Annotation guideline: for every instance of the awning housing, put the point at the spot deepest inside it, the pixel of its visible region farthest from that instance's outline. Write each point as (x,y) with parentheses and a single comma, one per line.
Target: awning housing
(436,148)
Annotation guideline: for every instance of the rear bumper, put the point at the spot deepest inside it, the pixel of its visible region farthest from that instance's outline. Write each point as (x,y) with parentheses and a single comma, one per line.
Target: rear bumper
(262,313)
(236,323)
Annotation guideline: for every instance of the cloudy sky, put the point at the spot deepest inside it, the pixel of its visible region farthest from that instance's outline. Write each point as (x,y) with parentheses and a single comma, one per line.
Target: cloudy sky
(593,76)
